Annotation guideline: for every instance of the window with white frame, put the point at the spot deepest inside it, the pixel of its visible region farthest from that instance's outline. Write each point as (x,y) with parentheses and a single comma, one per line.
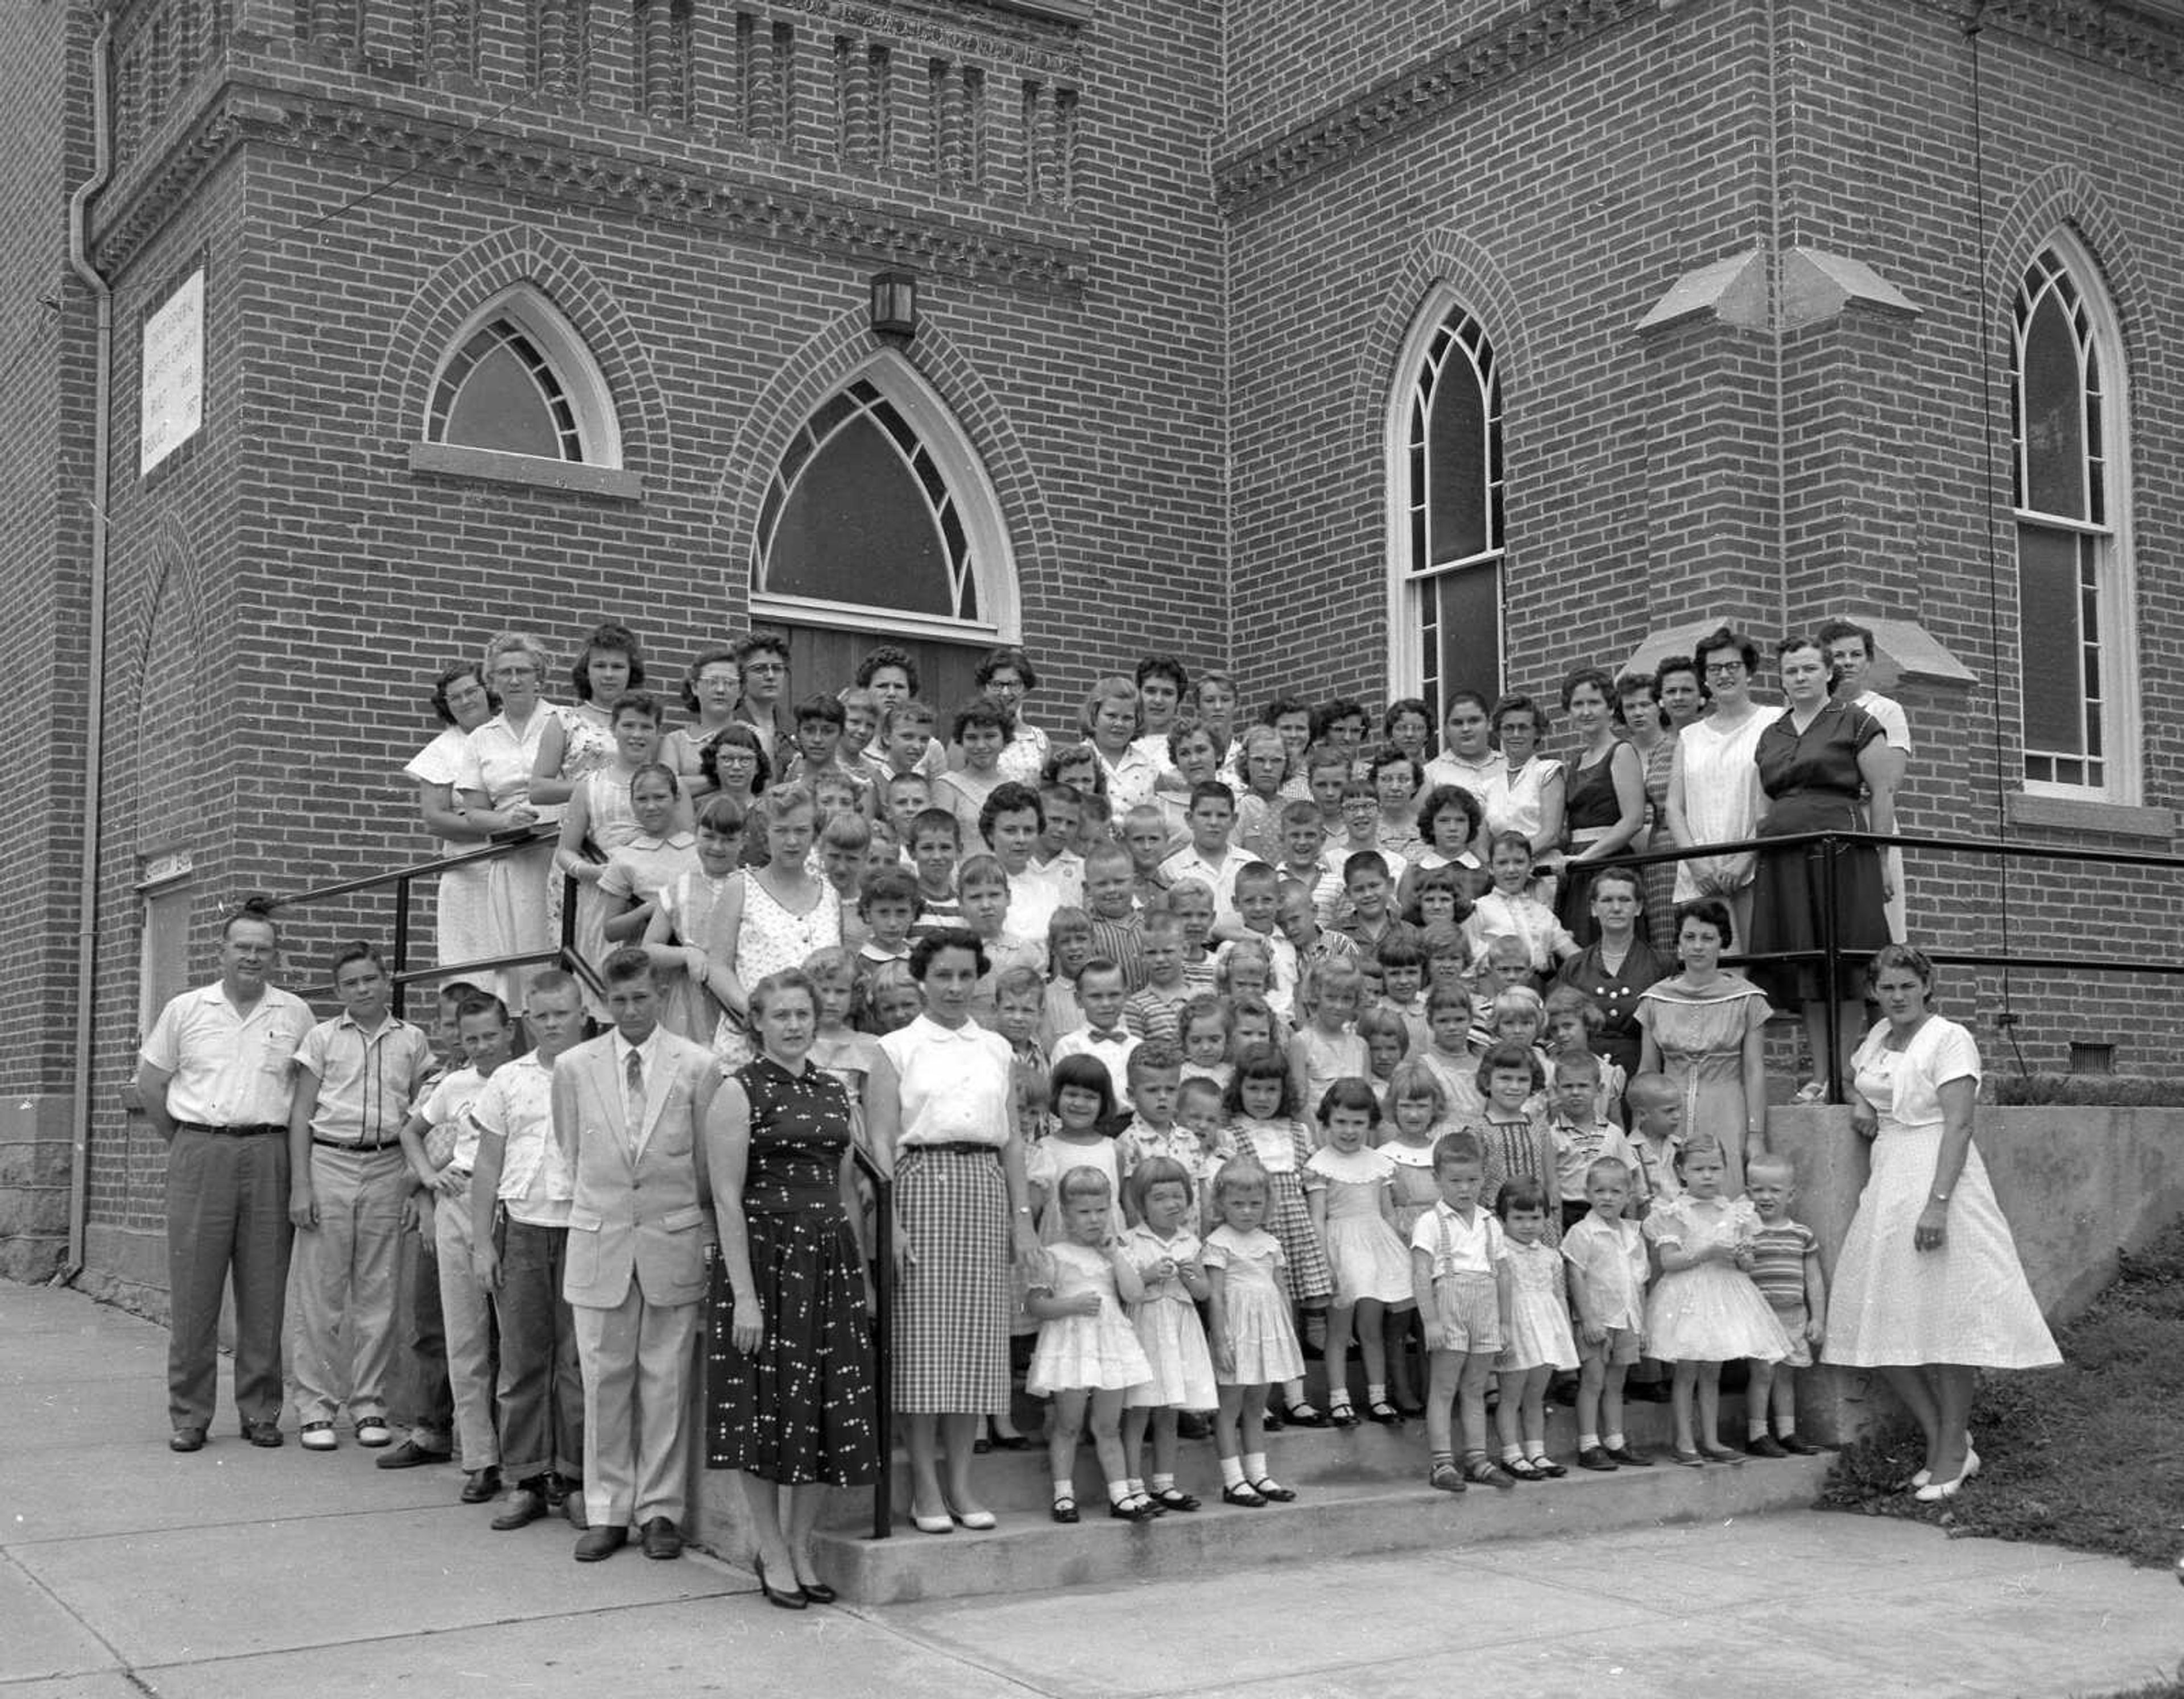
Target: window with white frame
(1445,521)
(516,379)
(2077,638)
(879,516)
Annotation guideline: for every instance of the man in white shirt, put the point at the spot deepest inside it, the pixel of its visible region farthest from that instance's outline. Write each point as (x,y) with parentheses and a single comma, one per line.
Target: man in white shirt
(1850,653)
(214,1077)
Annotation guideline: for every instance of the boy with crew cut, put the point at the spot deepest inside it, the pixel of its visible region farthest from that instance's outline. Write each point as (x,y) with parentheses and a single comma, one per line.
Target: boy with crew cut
(356,1076)
(520,1190)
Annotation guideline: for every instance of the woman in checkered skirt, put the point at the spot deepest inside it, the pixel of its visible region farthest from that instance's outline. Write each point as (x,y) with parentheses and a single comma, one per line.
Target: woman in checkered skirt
(936,1105)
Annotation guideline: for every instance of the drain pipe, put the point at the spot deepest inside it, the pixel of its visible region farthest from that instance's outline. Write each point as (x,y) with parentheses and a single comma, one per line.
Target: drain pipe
(94,783)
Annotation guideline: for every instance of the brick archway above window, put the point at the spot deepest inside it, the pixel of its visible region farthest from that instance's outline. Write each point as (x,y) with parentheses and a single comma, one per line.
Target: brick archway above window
(514,338)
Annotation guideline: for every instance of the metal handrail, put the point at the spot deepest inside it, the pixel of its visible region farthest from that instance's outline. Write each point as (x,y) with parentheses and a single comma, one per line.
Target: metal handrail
(566,955)
(1827,847)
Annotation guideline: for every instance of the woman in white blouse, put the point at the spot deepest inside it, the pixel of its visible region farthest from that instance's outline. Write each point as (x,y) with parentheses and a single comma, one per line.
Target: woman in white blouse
(938,1107)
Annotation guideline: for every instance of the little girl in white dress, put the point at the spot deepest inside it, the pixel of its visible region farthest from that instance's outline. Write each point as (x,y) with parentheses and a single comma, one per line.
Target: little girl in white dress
(1164,1252)
(1253,1342)
(1704,1309)
(1535,1338)
(1350,1189)
(1087,1353)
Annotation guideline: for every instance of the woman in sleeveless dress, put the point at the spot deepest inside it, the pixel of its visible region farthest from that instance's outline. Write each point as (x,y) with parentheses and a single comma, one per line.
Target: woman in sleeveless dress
(790,1393)
(772,918)
(1604,805)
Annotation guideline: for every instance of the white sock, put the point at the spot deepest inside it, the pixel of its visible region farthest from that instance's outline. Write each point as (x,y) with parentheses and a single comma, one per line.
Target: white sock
(1231,1472)
(1164,1483)
(1065,1488)
(1755,1426)
(1255,1465)
(1614,1442)
(1585,1442)
(1292,1391)
(1375,1395)
(1136,1486)
(1118,1492)
(1535,1449)
(1510,1454)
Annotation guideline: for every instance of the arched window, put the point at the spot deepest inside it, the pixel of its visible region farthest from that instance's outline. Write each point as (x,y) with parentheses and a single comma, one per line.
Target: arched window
(1446,509)
(879,517)
(2077,643)
(518,380)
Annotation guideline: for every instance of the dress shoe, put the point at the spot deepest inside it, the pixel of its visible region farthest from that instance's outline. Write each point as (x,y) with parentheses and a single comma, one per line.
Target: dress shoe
(525,1507)
(557,1489)
(1765,1445)
(599,1544)
(1596,1457)
(818,1592)
(318,1436)
(1625,1457)
(409,1455)
(266,1435)
(662,1538)
(186,1440)
(480,1486)
(1799,1447)
(787,1599)
(372,1432)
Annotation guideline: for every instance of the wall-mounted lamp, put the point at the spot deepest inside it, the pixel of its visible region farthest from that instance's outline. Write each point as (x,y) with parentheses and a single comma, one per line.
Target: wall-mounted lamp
(894,312)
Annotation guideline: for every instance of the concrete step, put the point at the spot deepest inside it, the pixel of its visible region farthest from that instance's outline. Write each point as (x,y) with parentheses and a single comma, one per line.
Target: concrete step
(1332,1518)
(1296,1456)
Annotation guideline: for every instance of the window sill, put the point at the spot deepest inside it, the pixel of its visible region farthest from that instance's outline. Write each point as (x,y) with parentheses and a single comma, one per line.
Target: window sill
(1077,12)
(2066,814)
(444,460)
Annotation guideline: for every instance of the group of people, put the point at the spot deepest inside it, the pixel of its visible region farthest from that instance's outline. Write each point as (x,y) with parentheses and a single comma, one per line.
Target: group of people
(1181,1044)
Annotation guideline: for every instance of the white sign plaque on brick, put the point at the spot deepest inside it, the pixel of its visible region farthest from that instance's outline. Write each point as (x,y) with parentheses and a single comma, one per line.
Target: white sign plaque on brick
(173,373)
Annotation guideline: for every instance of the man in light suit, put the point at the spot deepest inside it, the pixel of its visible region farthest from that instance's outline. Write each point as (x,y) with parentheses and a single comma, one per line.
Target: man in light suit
(629,1108)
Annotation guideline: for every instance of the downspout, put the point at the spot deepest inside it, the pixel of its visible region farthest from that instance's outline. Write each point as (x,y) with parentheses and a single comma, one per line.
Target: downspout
(94,786)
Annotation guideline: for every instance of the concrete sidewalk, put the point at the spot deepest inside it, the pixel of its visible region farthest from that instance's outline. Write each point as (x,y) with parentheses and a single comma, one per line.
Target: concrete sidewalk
(236,1573)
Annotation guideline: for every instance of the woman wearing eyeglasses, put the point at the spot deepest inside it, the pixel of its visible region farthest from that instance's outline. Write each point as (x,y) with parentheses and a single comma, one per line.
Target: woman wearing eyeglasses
(1714,788)
(504,752)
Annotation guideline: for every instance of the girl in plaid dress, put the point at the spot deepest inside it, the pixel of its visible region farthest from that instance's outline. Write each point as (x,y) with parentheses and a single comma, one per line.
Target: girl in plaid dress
(1262,1102)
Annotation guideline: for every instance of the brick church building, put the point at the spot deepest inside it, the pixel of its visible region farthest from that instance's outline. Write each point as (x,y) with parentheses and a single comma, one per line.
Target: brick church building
(1374,347)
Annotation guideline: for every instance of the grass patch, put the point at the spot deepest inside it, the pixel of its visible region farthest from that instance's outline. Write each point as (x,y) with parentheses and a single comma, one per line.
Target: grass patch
(2089,1456)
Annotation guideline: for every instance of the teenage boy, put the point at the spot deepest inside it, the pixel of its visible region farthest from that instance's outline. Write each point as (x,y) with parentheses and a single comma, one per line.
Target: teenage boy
(905,737)
(355,1078)
(629,1111)
(520,1193)
(936,844)
(439,1141)
(1209,857)
(819,721)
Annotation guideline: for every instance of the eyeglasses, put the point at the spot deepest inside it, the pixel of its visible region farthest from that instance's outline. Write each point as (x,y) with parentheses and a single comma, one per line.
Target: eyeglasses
(1724,669)
(765,667)
(747,756)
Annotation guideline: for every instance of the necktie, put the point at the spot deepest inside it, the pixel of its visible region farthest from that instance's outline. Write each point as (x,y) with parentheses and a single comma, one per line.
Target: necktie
(633,1091)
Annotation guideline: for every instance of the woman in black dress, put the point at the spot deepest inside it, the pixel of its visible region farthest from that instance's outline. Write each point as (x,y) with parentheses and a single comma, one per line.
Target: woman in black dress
(1605,802)
(789,1399)
(1814,762)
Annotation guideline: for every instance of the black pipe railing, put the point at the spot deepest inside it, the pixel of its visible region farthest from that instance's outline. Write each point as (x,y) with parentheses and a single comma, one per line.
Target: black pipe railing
(1825,850)
(402,881)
